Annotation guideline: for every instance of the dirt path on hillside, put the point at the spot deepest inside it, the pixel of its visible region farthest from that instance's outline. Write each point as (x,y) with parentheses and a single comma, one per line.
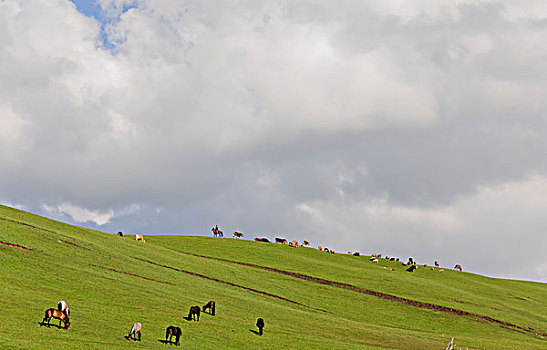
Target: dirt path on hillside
(14,245)
(386,296)
(230,284)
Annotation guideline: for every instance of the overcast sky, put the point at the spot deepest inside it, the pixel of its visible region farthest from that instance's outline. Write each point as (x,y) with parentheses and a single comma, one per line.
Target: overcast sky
(408,128)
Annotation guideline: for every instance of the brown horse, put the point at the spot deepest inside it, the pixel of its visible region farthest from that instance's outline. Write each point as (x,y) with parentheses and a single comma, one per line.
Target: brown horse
(238,234)
(212,306)
(61,316)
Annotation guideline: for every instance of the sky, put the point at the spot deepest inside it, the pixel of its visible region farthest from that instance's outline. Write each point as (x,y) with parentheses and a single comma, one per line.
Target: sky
(407,128)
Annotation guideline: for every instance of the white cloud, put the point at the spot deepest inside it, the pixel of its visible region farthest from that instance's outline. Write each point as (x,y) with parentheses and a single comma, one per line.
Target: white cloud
(79,214)
(268,115)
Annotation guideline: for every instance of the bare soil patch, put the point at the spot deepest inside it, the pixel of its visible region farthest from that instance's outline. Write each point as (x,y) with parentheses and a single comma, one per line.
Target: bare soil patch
(14,245)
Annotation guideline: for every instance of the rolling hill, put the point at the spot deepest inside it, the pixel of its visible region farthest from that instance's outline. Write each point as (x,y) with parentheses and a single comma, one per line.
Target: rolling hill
(309,299)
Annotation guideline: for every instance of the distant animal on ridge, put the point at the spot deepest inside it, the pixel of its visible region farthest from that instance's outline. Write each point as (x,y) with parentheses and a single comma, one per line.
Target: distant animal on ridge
(412,268)
(194,313)
(280,240)
(262,240)
(61,316)
(260,325)
(173,331)
(356,253)
(217,232)
(139,238)
(293,244)
(436,263)
(120,233)
(458,267)
(238,234)
(305,243)
(212,306)
(135,331)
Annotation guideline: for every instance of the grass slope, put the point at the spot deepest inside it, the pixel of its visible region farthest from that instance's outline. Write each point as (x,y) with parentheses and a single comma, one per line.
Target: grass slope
(111,282)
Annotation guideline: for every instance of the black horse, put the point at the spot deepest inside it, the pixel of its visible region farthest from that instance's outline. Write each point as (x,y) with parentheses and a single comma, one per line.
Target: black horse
(260,325)
(211,306)
(173,331)
(194,312)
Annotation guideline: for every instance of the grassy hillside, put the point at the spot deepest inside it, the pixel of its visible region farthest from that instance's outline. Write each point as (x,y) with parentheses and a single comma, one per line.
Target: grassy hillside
(111,282)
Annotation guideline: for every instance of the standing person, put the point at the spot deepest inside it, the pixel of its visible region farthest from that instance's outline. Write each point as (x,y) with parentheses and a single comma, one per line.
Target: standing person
(63,306)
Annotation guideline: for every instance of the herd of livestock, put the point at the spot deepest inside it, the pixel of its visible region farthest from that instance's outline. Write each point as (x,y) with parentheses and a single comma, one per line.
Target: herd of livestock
(62,312)
(374,257)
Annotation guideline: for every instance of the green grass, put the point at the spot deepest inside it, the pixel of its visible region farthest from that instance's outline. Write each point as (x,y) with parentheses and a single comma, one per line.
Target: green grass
(75,264)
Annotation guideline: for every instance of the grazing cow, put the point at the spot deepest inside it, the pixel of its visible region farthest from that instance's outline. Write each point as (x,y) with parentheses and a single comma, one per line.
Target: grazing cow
(135,332)
(63,306)
(374,260)
(139,238)
(397,259)
(194,312)
(436,263)
(349,252)
(356,253)
(412,268)
(280,240)
(260,325)
(173,331)
(387,257)
(120,233)
(212,306)
(238,234)
(392,259)
(458,267)
(61,316)
(425,265)
(441,270)
(262,240)
(294,244)
(326,250)
(320,248)
(305,242)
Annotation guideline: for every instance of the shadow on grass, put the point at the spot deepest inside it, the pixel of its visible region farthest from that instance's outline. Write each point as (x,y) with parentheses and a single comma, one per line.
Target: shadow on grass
(50,325)
(167,342)
(255,332)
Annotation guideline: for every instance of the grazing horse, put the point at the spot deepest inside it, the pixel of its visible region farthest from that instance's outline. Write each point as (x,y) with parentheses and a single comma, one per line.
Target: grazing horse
(305,242)
(139,238)
(212,306)
(63,306)
(238,234)
(173,331)
(135,330)
(262,240)
(61,316)
(260,325)
(293,244)
(280,240)
(458,267)
(194,312)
